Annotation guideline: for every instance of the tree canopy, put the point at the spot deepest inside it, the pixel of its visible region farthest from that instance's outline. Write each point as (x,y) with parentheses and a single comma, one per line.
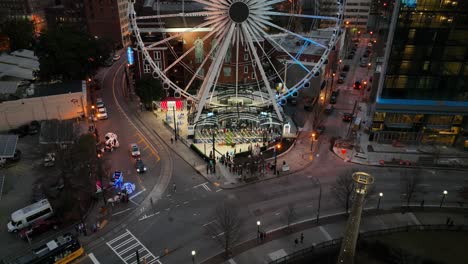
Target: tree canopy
(149,89)
(69,54)
(20,32)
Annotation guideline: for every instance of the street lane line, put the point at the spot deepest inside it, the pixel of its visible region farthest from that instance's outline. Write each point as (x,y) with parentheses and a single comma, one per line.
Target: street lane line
(219,190)
(209,223)
(93,258)
(325,233)
(136,194)
(199,185)
(121,212)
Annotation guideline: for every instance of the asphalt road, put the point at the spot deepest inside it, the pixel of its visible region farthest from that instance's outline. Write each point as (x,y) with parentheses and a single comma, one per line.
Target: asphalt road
(177,222)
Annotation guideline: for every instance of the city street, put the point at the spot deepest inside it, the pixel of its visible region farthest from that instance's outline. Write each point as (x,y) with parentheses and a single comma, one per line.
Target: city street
(176,223)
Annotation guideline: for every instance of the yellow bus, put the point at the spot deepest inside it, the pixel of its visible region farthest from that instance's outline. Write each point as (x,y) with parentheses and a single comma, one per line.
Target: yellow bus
(64,249)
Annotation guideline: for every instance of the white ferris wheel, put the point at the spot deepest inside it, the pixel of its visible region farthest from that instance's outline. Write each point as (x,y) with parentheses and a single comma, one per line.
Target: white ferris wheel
(236,52)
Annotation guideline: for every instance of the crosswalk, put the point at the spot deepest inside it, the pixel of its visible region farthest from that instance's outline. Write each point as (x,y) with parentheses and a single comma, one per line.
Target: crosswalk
(125,247)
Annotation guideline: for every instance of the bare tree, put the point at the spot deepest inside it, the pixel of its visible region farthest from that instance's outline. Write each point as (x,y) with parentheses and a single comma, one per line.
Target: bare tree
(290,215)
(226,227)
(342,189)
(410,184)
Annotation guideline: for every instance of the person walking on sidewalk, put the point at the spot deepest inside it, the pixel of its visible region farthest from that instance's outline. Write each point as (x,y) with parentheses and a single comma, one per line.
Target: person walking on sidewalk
(302,238)
(174,187)
(296,242)
(172,140)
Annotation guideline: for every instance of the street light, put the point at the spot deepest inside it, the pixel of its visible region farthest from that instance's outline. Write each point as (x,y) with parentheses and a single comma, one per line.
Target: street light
(317,181)
(258,228)
(278,146)
(378,203)
(193,256)
(443,198)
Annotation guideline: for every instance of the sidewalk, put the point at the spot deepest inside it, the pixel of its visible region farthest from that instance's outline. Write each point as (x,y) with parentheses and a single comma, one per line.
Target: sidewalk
(280,243)
(297,157)
(362,151)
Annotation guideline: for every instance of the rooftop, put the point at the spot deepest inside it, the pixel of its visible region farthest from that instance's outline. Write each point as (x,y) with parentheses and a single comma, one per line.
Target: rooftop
(57,132)
(18,65)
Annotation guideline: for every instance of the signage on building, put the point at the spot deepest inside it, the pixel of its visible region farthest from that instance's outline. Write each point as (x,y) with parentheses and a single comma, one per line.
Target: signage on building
(409,3)
(130,58)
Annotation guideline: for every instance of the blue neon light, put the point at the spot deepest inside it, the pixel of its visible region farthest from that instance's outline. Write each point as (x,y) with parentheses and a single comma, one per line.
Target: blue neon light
(409,3)
(422,102)
(130,57)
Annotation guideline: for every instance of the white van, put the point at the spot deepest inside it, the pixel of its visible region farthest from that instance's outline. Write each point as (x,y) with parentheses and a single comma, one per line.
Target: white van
(30,214)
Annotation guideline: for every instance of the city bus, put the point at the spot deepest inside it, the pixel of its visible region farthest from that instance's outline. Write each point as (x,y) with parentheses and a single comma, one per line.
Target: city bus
(61,250)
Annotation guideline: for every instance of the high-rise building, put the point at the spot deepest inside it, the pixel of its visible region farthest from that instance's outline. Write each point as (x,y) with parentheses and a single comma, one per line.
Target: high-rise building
(356,13)
(30,9)
(68,12)
(108,19)
(422,94)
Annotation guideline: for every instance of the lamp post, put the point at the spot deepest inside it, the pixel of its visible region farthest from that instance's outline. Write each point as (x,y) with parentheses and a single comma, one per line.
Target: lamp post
(378,203)
(312,141)
(368,67)
(193,256)
(258,228)
(278,146)
(175,123)
(444,193)
(214,153)
(317,181)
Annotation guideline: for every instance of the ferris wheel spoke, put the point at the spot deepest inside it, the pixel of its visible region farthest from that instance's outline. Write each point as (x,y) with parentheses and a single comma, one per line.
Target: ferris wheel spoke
(251,31)
(193,29)
(191,14)
(295,15)
(216,65)
(265,22)
(208,56)
(217,4)
(181,57)
(237,59)
(266,36)
(262,72)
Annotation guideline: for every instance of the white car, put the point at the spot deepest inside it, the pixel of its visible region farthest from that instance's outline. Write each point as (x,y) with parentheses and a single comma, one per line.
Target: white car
(116,57)
(135,150)
(102,113)
(99,103)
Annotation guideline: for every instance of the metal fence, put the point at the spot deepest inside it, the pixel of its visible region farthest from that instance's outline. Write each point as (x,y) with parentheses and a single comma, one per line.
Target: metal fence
(300,254)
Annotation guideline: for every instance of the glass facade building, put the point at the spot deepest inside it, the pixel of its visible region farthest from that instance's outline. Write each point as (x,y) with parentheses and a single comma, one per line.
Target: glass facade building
(423,97)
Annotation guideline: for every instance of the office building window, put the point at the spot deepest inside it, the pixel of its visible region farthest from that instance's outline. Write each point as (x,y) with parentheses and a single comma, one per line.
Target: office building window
(227,71)
(246,69)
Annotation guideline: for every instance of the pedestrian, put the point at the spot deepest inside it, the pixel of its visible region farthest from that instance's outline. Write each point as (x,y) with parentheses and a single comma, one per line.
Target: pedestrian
(94,228)
(422,203)
(264,235)
(447,222)
(172,140)
(174,187)
(302,238)
(296,242)
(98,225)
(80,228)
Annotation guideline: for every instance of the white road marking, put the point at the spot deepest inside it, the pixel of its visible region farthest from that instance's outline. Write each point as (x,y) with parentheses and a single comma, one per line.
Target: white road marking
(186,202)
(219,190)
(125,247)
(220,234)
(93,258)
(204,185)
(231,261)
(122,211)
(133,202)
(209,223)
(325,233)
(136,194)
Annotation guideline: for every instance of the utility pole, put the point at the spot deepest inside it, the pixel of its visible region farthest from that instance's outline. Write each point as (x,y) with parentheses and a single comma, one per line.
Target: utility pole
(175,123)
(214,153)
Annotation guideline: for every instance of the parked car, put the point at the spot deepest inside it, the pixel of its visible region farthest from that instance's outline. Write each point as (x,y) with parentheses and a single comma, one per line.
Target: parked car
(333,99)
(350,57)
(345,68)
(102,113)
(347,117)
(99,103)
(341,79)
(134,150)
(335,93)
(140,166)
(329,109)
(38,228)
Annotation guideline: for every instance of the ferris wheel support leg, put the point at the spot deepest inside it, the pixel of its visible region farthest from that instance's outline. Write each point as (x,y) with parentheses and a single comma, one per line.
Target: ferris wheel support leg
(262,73)
(214,68)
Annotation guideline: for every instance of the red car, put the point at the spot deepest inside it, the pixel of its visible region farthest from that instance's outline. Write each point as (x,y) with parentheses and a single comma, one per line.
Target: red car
(38,228)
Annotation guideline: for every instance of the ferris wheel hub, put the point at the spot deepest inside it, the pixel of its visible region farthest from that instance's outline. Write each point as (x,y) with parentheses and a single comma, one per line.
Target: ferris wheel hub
(239,12)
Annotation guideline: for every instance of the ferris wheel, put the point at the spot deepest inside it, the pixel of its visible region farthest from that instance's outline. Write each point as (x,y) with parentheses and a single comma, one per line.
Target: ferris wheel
(237,51)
